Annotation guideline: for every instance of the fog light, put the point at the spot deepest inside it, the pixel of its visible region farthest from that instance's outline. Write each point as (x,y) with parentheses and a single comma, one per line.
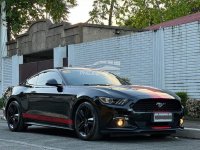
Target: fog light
(181,122)
(120,122)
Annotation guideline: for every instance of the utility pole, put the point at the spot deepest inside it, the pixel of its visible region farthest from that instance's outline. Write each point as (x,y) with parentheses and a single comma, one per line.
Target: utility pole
(3,41)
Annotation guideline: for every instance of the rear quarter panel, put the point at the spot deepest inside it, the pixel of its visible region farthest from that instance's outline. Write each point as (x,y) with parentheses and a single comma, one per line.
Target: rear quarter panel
(15,93)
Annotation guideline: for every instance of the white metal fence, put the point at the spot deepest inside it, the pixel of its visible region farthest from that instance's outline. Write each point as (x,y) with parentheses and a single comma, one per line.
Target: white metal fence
(132,51)
(167,58)
(182,56)
(6,73)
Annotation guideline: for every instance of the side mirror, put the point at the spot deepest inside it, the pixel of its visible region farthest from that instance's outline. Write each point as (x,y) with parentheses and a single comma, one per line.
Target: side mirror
(52,82)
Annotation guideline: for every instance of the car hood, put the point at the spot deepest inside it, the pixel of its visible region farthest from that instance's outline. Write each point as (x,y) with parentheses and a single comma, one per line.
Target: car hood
(137,92)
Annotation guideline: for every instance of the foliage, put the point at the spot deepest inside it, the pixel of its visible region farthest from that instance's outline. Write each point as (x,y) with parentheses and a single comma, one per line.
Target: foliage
(150,12)
(21,13)
(109,10)
(193,108)
(184,97)
(141,13)
(1,103)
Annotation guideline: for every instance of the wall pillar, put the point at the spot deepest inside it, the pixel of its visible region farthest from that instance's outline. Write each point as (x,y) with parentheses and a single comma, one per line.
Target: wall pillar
(3,40)
(59,53)
(158,59)
(16,61)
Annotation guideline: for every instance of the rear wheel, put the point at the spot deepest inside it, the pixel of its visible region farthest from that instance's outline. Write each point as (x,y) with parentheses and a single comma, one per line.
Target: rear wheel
(14,117)
(87,122)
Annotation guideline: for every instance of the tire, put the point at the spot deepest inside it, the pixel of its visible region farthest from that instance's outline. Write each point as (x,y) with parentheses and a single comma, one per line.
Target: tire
(87,122)
(14,117)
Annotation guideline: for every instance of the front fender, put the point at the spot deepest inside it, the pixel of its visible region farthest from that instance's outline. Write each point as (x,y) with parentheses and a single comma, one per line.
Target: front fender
(80,100)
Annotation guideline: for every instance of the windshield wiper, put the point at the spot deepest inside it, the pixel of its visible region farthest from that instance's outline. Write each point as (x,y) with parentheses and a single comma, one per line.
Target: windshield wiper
(96,84)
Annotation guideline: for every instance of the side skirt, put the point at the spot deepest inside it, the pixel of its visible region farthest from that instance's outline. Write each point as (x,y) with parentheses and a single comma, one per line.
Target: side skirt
(48,121)
(47,125)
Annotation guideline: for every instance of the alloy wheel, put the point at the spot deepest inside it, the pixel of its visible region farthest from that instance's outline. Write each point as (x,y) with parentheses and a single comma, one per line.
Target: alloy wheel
(85,120)
(13,116)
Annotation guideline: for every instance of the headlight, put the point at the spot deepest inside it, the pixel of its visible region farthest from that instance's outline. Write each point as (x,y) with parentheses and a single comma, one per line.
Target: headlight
(113,101)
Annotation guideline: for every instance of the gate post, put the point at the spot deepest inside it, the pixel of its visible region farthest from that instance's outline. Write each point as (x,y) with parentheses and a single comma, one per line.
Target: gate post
(16,61)
(58,54)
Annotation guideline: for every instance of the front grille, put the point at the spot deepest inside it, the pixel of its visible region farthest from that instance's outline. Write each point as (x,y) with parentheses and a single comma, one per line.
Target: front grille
(152,105)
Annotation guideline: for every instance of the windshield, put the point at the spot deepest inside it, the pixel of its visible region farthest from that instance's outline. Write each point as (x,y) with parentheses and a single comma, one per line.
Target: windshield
(88,77)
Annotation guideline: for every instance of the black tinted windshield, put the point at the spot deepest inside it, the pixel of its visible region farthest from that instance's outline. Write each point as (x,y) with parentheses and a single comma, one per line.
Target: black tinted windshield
(88,77)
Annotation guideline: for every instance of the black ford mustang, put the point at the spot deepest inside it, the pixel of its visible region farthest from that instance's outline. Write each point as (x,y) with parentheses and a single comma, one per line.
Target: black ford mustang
(92,103)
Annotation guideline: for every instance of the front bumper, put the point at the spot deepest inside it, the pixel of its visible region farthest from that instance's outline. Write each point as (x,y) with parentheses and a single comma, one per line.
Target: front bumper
(138,131)
(138,122)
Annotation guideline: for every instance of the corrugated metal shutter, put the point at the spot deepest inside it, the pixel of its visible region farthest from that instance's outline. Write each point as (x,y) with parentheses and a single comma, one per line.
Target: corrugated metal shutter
(6,73)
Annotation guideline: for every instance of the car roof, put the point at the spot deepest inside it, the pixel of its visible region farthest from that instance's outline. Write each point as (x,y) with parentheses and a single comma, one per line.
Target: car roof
(63,68)
(71,68)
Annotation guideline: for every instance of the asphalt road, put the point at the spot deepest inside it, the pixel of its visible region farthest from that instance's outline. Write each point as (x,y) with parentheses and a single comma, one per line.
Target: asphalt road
(39,138)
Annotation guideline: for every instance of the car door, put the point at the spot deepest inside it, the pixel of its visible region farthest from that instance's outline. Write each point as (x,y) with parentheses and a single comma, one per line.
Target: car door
(28,92)
(47,103)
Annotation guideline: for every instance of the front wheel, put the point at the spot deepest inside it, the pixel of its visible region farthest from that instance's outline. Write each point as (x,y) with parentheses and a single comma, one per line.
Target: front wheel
(14,117)
(87,122)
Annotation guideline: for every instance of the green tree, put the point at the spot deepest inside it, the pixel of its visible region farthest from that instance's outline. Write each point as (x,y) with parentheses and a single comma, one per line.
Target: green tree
(108,11)
(21,13)
(141,13)
(145,13)
(150,12)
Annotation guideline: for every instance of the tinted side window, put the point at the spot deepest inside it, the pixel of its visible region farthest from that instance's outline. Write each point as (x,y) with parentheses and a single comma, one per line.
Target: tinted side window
(32,81)
(44,77)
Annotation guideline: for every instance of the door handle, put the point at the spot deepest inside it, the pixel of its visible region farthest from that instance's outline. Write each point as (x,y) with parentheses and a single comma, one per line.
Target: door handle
(33,91)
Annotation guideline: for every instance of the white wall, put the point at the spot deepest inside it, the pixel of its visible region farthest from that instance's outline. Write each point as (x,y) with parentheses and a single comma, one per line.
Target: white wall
(182,57)
(6,73)
(139,56)
(167,58)
(10,71)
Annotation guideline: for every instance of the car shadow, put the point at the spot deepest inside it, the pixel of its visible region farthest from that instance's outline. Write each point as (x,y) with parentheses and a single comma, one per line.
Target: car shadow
(111,138)
(139,139)
(51,131)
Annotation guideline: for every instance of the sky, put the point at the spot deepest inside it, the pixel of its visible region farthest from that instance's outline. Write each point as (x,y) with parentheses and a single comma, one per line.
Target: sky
(81,12)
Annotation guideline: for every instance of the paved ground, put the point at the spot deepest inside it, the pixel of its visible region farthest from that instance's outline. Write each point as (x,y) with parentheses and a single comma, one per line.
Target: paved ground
(37,138)
(192,130)
(192,124)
